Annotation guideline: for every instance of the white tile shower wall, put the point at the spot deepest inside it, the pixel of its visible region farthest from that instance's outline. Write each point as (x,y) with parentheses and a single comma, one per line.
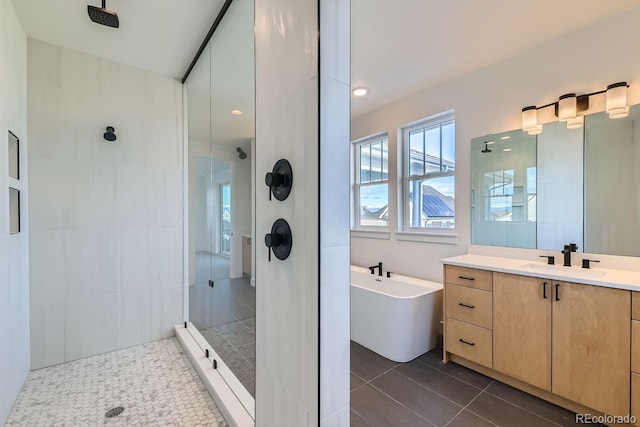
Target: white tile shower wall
(14,249)
(489,101)
(306,294)
(106,247)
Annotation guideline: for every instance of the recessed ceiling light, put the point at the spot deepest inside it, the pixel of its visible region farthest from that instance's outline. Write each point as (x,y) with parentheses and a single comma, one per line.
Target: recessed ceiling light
(506,149)
(490,142)
(360,91)
(505,137)
(236,112)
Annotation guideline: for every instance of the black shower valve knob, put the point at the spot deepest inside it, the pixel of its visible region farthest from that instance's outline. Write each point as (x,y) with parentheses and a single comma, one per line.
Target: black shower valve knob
(274,179)
(273,240)
(280,180)
(279,241)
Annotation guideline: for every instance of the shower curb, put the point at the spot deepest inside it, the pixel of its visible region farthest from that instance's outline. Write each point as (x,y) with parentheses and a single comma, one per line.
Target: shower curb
(228,402)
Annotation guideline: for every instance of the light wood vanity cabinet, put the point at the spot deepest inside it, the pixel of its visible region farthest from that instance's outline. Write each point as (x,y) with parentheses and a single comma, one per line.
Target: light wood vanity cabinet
(570,340)
(468,308)
(591,348)
(522,328)
(635,355)
(567,338)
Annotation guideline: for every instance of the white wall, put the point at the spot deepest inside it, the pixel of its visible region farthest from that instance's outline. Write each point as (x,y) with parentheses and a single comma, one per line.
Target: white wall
(490,101)
(14,249)
(106,241)
(302,114)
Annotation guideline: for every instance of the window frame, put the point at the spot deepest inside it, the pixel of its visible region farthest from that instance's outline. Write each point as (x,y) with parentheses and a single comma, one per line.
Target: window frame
(405,202)
(356,225)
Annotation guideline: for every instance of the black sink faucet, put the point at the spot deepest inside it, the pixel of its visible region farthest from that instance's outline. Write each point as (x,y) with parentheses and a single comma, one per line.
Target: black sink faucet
(379,267)
(571,247)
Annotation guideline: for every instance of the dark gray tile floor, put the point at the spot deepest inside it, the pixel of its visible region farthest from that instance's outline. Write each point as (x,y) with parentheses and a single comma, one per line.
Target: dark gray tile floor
(225,315)
(427,392)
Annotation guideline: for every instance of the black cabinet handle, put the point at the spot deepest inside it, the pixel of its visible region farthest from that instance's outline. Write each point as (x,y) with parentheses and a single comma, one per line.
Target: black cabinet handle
(557,293)
(544,290)
(466,278)
(466,342)
(465,305)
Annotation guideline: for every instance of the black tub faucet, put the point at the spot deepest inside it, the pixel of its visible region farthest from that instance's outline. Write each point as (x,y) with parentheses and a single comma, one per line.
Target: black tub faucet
(379,267)
(571,247)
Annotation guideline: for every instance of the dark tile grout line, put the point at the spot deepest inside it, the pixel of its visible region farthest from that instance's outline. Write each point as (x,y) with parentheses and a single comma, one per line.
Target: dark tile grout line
(400,403)
(489,393)
(233,346)
(481,391)
(470,402)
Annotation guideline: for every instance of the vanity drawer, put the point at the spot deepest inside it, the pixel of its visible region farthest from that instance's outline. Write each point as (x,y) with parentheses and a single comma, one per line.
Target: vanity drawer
(465,276)
(469,305)
(471,342)
(635,346)
(635,305)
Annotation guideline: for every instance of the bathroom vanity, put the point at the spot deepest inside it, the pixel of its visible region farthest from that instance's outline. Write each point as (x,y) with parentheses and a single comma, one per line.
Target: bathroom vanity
(564,334)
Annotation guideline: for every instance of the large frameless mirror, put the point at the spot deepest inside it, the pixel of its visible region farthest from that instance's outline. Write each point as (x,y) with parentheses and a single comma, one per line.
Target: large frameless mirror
(563,186)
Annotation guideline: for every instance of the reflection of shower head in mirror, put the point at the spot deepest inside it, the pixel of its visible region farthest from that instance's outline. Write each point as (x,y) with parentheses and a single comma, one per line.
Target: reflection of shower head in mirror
(486,148)
(241,154)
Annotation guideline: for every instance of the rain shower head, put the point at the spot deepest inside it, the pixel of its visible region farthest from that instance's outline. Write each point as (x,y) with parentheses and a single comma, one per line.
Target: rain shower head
(101,15)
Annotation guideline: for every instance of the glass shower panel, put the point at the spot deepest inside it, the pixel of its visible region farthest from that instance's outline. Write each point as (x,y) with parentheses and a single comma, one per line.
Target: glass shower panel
(221,122)
(200,240)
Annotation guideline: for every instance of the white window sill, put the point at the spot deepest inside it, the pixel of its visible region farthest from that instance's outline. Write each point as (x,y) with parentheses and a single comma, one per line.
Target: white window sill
(371,234)
(427,237)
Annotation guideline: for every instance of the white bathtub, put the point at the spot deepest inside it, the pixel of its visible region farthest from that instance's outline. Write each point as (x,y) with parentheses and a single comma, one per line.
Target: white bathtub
(397,317)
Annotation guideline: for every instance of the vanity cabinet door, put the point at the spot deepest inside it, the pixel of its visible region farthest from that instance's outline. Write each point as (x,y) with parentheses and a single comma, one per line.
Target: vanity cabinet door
(591,346)
(522,328)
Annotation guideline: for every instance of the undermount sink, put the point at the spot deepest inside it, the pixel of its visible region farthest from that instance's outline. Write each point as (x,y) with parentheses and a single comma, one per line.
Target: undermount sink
(564,271)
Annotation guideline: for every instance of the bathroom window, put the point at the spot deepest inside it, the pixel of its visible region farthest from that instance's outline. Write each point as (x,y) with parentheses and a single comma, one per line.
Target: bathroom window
(429,174)
(371,182)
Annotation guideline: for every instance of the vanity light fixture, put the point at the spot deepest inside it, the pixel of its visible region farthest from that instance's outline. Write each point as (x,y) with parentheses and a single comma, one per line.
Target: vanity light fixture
(505,137)
(570,106)
(360,91)
(617,100)
(567,107)
(507,149)
(575,123)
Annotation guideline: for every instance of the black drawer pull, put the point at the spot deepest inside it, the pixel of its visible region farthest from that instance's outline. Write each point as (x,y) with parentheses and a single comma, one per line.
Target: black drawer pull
(465,305)
(544,290)
(466,342)
(466,278)
(557,292)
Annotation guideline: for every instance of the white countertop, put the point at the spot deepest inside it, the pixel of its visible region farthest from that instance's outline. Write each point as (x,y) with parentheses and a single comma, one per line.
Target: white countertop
(596,275)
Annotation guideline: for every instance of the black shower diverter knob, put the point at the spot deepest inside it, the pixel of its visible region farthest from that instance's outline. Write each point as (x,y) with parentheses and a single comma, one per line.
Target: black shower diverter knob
(280,180)
(273,240)
(274,179)
(279,241)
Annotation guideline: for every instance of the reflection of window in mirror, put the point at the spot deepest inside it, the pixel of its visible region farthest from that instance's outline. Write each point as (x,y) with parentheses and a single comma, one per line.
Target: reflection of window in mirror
(14,156)
(14,211)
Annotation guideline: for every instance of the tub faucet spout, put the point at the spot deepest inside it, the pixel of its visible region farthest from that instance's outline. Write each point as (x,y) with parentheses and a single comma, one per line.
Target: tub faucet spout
(379,267)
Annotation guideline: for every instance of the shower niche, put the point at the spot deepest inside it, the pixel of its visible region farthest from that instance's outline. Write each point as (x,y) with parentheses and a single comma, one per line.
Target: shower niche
(14,211)
(14,156)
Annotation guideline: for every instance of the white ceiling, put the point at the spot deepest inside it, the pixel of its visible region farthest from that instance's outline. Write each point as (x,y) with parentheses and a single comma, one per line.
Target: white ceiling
(156,35)
(400,47)
(397,48)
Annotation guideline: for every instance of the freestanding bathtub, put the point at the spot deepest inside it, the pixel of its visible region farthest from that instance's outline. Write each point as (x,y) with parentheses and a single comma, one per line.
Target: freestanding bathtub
(397,317)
